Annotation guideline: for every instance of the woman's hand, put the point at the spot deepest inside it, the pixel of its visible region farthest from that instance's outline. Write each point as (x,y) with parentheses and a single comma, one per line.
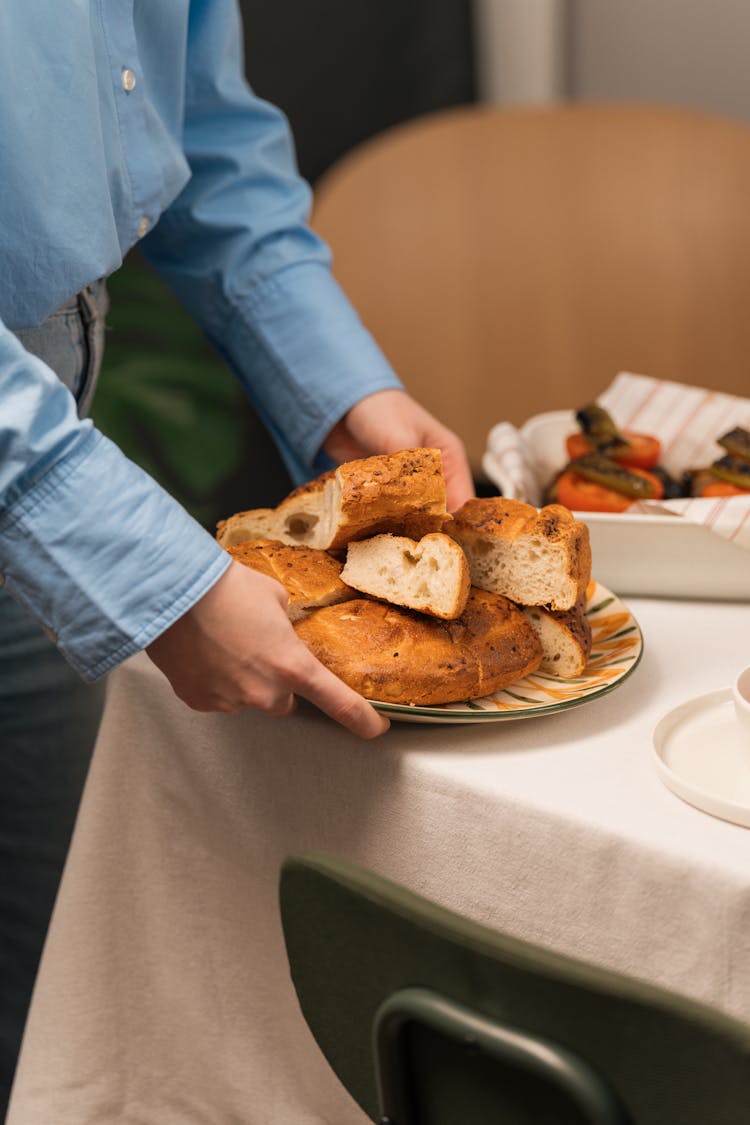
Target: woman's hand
(236,648)
(387,421)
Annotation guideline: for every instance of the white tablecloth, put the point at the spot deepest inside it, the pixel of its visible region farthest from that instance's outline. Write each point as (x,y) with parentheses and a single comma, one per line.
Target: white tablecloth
(164,995)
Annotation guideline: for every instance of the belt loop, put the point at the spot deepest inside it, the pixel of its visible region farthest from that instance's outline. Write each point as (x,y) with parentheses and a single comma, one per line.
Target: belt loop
(87,302)
(92,306)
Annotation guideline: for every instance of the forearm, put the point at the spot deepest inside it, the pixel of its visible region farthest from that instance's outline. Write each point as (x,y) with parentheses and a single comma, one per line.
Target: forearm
(89,544)
(237,249)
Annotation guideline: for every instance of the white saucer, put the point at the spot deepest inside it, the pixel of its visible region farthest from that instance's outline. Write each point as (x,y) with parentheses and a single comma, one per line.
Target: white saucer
(701,755)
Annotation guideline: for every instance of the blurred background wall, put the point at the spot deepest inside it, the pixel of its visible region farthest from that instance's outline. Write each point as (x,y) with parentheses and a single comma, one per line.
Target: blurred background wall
(690,52)
(683,52)
(343,71)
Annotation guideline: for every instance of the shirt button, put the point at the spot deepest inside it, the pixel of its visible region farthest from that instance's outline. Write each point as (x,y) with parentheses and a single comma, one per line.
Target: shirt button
(127,78)
(49,634)
(143,226)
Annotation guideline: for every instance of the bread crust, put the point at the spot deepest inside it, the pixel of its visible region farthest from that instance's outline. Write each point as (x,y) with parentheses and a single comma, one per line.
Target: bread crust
(311,578)
(396,655)
(504,539)
(402,493)
(565,636)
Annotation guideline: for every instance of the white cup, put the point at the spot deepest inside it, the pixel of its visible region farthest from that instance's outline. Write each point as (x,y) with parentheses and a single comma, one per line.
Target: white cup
(741,696)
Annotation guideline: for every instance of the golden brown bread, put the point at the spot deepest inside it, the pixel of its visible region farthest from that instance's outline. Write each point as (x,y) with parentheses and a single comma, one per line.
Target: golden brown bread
(310,577)
(258,523)
(535,557)
(431,574)
(565,636)
(400,492)
(398,656)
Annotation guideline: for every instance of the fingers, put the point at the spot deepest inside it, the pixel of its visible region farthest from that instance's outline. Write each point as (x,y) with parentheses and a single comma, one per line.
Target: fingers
(340,702)
(282,707)
(233,698)
(341,446)
(459,484)
(389,420)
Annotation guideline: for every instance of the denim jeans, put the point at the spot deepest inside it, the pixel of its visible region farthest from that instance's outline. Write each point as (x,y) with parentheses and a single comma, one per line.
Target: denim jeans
(48,722)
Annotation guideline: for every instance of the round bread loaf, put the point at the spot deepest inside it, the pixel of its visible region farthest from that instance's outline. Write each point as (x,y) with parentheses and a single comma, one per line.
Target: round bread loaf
(396,655)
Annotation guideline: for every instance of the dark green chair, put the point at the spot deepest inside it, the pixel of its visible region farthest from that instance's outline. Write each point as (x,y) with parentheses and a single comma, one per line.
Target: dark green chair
(430,1019)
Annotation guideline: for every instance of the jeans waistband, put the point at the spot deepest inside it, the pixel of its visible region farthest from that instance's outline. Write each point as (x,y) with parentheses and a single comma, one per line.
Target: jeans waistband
(71,341)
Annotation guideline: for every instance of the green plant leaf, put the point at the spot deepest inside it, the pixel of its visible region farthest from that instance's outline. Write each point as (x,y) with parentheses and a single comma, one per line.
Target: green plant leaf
(165,398)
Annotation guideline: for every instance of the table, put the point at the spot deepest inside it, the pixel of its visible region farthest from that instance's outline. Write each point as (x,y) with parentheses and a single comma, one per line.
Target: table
(164,994)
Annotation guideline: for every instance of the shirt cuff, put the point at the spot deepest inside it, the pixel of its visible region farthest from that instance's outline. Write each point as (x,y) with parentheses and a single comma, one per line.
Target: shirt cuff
(304,357)
(103,556)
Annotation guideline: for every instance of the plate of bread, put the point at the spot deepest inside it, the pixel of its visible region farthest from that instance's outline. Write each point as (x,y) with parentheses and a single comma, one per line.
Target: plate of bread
(486,613)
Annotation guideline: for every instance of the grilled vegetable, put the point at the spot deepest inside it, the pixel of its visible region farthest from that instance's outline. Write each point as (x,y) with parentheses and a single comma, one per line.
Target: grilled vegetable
(737,443)
(695,481)
(672,488)
(599,434)
(641,451)
(717,488)
(610,468)
(600,429)
(581,495)
(702,482)
(634,483)
(732,470)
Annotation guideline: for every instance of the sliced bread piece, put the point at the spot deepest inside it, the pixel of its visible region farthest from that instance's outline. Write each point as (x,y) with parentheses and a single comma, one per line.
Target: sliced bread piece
(258,523)
(311,578)
(400,492)
(565,637)
(431,575)
(398,656)
(533,556)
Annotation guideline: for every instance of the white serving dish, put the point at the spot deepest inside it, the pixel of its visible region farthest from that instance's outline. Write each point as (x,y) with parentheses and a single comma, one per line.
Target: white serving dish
(645,555)
(701,754)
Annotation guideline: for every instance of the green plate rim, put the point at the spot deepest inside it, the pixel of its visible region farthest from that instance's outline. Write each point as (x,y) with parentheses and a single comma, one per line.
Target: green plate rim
(470,715)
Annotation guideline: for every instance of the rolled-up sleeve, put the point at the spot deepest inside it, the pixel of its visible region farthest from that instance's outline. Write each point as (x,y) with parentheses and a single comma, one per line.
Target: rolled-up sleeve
(237,249)
(98,552)
(92,546)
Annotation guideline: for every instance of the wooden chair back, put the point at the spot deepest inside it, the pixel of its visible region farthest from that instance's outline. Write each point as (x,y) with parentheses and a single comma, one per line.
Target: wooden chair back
(512,261)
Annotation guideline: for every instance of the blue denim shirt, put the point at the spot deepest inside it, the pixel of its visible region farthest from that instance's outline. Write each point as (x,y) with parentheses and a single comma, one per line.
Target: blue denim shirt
(123,120)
